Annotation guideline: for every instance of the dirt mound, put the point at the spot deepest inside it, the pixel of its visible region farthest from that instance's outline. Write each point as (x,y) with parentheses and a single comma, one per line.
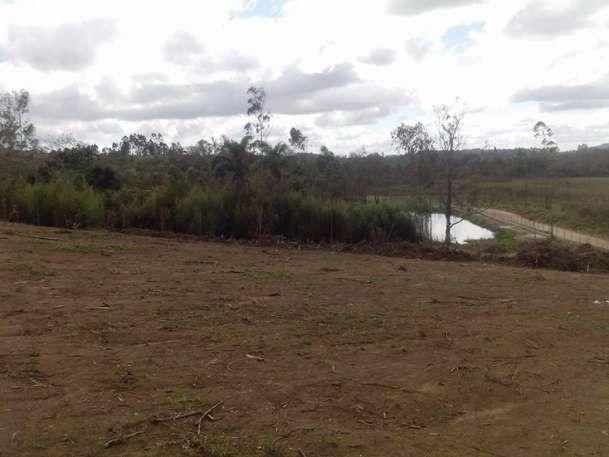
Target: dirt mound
(160,234)
(401,249)
(410,251)
(558,256)
(552,255)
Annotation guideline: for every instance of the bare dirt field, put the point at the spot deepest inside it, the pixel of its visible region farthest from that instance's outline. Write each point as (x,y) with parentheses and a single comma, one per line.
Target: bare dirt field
(106,340)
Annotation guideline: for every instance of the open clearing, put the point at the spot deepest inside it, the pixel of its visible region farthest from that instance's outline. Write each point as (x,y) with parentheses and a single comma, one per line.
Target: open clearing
(330,354)
(579,204)
(517,222)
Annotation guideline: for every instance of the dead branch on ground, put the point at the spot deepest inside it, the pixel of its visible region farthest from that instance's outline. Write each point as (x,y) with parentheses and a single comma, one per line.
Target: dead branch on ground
(121,439)
(206,414)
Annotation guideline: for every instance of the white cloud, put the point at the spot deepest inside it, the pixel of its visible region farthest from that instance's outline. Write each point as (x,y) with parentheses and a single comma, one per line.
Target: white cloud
(346,76)
(381,57)
(414,7)
(543,18)
(589,96)
(294,92)
(185,49)
(68,47)
(182,47)
(418,48)
(348,118)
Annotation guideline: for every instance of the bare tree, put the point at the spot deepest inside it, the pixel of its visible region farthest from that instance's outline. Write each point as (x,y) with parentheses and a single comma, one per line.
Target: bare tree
(449,140)
(415,140)
(17,133)
(544,134)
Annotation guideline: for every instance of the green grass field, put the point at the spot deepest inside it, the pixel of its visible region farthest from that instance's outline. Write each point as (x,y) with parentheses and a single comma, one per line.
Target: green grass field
(578,203)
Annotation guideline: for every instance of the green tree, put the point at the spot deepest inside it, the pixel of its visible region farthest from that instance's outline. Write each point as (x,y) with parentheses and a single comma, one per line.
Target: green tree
(297,140)
(17,133)
(139,145)
(412,139)
(544,134)
(103,177)
(259,130)
(233,162)
(415,142)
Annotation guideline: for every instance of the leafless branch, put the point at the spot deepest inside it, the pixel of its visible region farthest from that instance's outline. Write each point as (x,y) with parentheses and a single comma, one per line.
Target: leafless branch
(207,413)
(121,439)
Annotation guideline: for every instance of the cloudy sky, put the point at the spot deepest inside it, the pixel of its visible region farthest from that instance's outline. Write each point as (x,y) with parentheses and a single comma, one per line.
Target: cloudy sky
(345,72)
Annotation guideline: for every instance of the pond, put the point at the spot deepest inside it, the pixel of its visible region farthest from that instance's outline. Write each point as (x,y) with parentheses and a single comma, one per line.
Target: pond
(461,233)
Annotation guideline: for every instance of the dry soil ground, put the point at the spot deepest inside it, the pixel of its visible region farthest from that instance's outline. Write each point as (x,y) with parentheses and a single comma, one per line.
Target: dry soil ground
(312,353)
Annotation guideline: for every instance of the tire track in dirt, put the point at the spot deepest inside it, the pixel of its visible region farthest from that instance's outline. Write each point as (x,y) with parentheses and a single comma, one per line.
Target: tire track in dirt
(560,233)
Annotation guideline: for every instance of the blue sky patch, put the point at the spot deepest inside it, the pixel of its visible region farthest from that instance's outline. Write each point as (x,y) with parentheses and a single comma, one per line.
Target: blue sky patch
(458,38)
(261,8)
(3,54)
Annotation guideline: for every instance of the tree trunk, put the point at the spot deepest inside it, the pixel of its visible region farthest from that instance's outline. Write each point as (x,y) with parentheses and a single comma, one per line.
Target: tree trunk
(448,210)
(260,220)
(331,227)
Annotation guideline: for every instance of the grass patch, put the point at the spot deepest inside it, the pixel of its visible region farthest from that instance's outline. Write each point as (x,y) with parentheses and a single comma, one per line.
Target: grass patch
(118,248)
(336,444)
(77,248)
(580,204)
(506,238)
(274,274)
(187,397)
(30,270)
(208,445)
(271,448)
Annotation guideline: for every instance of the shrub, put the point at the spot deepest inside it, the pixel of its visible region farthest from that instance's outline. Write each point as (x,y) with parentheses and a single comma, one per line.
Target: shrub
(213,211)
(201,213)
(60,203)
(103,177)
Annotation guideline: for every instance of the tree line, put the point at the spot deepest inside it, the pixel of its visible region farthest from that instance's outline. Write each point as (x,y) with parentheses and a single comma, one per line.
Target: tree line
(245,188)
(252,188)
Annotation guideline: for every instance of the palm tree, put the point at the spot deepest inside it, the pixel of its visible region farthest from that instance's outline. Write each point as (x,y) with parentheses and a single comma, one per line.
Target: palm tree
(274,159)
(234,160)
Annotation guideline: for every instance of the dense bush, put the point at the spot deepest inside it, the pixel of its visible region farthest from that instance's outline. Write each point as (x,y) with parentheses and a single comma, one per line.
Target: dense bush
(216,211)
(201,213)
(60,203)
(101,177)
(217,189)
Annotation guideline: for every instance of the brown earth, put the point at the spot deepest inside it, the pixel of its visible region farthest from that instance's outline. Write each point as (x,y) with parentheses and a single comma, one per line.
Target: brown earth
(548,254)
(313,353)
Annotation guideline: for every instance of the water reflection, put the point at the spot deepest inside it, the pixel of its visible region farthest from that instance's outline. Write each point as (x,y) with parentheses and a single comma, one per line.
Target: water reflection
(435,227)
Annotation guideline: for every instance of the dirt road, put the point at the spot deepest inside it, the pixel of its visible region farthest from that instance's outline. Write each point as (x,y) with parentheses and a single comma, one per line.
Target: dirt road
(331,354)
(546,229)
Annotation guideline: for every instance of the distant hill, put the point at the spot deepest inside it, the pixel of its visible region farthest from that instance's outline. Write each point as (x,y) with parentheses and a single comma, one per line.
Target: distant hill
(601,146)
